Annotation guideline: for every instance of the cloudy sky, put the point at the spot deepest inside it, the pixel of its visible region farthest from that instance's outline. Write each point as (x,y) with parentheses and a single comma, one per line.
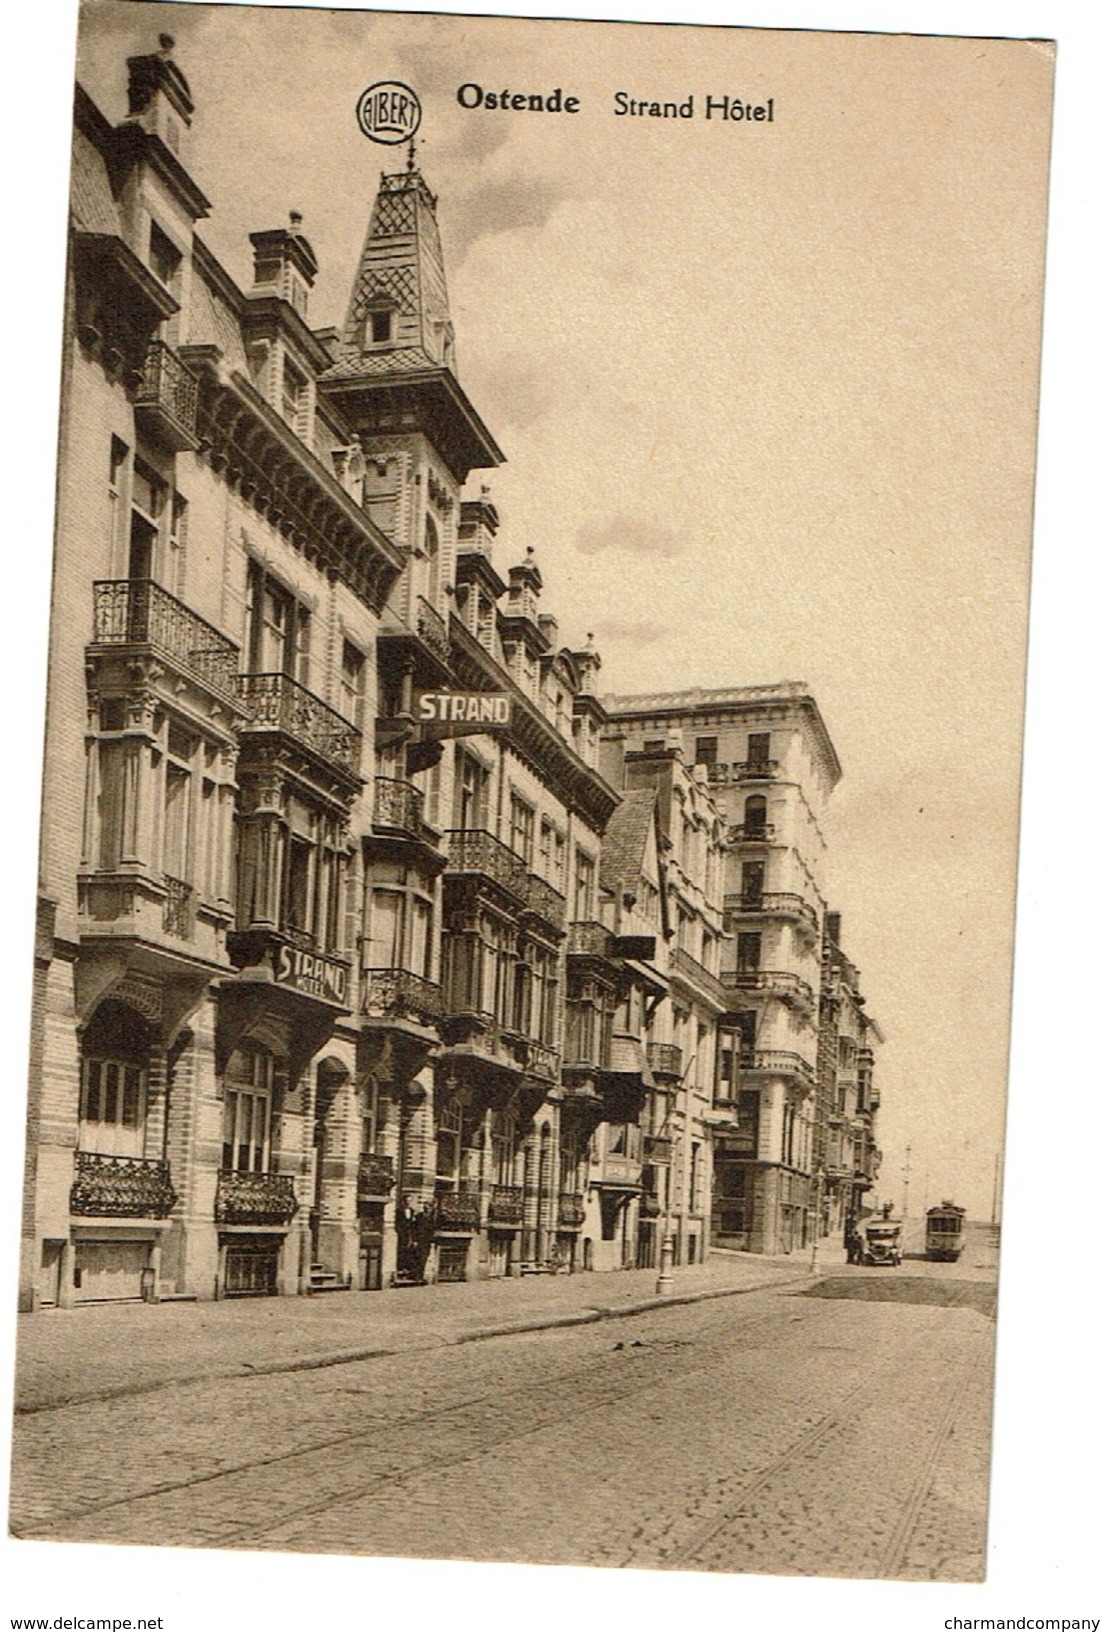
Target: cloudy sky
(767,395)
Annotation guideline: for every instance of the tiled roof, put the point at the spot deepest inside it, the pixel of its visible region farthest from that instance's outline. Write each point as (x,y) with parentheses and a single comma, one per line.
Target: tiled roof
(626,837)
(364,365)
(93,207)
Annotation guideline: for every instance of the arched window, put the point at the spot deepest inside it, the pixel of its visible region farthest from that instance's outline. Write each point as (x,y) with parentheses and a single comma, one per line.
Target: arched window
(755,816)
(115,1056)
(431,550)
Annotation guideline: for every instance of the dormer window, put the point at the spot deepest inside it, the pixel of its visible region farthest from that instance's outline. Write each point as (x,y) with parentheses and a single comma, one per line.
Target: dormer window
(165,257)
(381,321)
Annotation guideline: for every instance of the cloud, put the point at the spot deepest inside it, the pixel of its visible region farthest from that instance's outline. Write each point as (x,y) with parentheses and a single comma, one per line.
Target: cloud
(629,536)
(500,206)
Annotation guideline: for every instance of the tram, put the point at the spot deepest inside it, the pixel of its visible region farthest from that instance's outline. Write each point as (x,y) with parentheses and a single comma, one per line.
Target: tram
(944,1232)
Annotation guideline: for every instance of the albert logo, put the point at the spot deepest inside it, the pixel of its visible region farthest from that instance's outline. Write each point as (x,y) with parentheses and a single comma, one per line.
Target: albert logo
(389,112)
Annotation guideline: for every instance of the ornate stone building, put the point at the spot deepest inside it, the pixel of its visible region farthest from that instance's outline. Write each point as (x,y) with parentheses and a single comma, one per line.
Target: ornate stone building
(370,949)
(768,761)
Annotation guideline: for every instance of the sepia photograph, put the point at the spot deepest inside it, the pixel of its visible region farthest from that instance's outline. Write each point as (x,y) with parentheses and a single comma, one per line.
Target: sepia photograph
(523,927)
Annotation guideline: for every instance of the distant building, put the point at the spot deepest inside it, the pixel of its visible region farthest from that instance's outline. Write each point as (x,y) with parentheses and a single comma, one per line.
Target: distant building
(770,766)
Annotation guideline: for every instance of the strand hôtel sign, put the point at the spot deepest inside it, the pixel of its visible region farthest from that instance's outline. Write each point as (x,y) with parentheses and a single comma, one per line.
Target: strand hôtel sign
(463,713)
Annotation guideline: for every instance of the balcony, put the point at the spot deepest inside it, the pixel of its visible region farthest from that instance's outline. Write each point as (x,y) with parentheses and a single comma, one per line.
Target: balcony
(120,1187)
(658,1149)
(255,1198)
(471,852)
(775,982)
(774,904)
(589,940)
(665,1060)
(166,400)
(752,833)
(697,976)
(177,909)
(398,994)
(278,704)
(541,1062)
(506,1205)
(753,770)
(398,805)
(572,1211)
(474,853)
(457,1210)
(777,1062)
(376,1177)
(139,612)
(431,628)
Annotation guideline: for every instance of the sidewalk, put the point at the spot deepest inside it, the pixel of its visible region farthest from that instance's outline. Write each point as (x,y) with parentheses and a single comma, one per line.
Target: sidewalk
(97,1352)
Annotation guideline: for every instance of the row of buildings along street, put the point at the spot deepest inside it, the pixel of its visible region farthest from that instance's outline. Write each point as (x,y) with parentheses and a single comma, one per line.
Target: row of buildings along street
(377,943)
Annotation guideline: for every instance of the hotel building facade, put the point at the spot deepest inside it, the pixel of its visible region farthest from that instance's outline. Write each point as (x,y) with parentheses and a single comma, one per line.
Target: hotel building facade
(336,986)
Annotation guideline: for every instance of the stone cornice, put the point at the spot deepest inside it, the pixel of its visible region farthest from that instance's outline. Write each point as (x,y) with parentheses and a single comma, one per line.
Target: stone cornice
(582,790)
(257,452)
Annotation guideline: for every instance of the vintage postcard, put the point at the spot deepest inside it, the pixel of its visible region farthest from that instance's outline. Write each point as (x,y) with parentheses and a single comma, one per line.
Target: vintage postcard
(526,888)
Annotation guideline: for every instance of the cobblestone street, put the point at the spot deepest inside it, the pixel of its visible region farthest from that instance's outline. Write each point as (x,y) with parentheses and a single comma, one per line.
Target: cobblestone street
(839,1428)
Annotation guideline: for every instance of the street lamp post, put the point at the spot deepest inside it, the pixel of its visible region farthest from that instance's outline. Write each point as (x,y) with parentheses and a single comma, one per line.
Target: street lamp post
(818,1182)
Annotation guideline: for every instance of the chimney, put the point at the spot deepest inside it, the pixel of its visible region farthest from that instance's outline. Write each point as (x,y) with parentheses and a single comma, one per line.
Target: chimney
(284,264)
(478,524)
(158,98)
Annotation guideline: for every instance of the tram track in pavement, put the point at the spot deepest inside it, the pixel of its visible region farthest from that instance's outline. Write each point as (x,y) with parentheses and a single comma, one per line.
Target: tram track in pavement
(895,1549)
(500,1398)
(332,1472)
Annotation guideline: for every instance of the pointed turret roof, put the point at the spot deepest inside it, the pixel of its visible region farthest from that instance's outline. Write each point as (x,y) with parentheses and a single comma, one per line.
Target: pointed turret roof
(398,327)
(400,272)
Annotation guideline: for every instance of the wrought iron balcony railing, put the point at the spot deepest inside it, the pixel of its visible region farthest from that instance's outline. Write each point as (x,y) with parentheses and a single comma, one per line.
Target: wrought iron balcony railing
(431,627)
(745,769)
(395,993)
(277,702)
(541,1061)
(589,940)
(572,1211)
(139,612)
(376,1176)
(506,1204)
(120,1187)
(752,833)
(398,805)
(545,901)
(177,908)
(773,904)
(779,982)
(776,1061)
(658,1149)
(457,1209)
(255,1198)
(665,1059)
(169,389)
(471,850)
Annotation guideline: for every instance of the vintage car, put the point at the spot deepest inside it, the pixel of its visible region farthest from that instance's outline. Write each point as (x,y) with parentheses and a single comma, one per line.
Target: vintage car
(882,1241)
